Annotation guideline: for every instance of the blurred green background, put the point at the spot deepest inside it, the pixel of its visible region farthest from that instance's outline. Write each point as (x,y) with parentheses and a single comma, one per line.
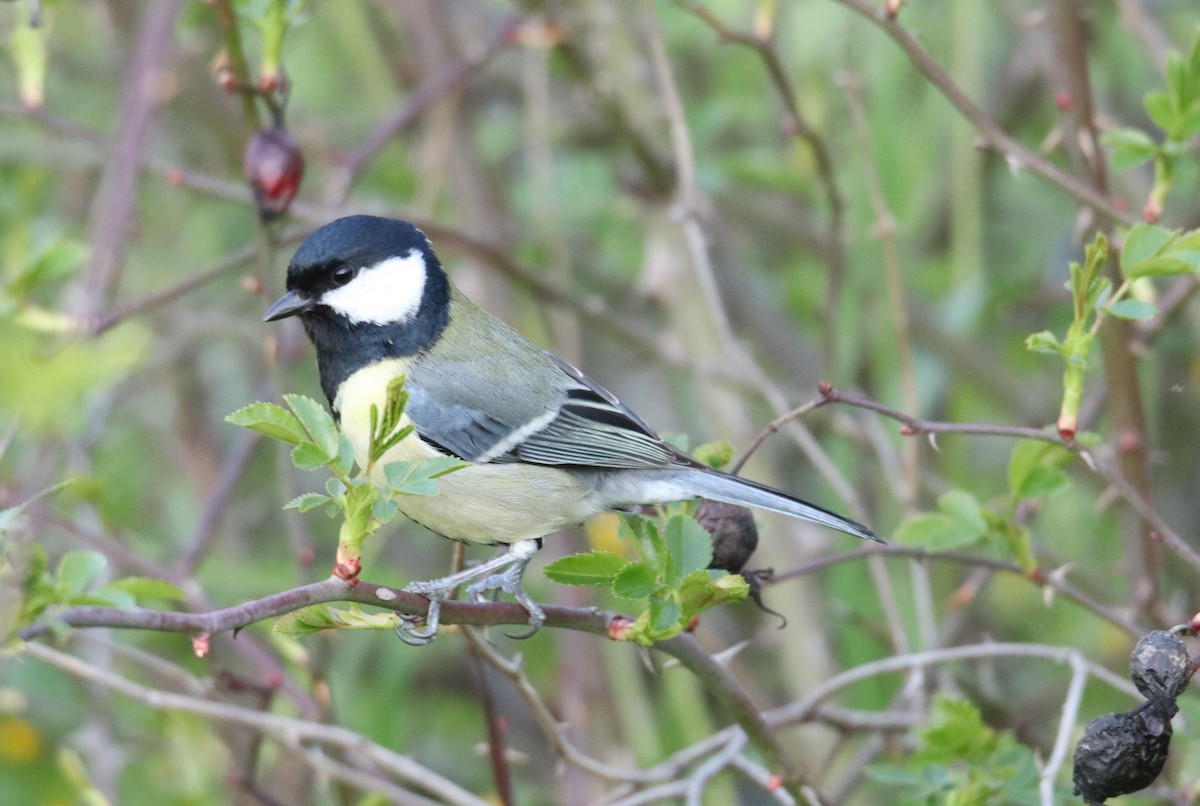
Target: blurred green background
(909,268)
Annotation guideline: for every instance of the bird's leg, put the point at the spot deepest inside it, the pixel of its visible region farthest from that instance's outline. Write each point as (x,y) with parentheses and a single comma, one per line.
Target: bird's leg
(519,555)
(438,590)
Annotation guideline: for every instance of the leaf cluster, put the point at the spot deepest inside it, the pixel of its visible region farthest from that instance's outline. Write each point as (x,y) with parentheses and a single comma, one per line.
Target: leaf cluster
(359,497)
(961,761)
(671,575)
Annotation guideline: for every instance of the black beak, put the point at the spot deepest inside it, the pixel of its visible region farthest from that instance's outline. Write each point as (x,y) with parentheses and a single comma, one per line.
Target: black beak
(290,304)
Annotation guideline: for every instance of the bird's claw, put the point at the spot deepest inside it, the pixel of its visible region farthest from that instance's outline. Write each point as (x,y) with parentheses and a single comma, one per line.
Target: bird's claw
(507,581)
(409,633)
(510,582)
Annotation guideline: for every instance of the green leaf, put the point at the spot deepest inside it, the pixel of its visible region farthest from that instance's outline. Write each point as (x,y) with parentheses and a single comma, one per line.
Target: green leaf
(78,570)
(645,534)
(269,420)
(1134,309)
(936,532)
(1042,482)
(1044,342)
(636,580)
(345,457)
(703,590)
(317,422)
(142,588)
(307,501)
(591,568)
(689,544)
(1164,266)
(305,621)
(1144,241)
(664,617)
(417,477)
(1130,147)
(717,453)
(1162,111)
(384,509)
(309,456)
(963,507)
(1035,469)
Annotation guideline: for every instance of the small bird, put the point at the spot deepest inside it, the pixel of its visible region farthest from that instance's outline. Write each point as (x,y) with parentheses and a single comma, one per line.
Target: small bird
(545,445)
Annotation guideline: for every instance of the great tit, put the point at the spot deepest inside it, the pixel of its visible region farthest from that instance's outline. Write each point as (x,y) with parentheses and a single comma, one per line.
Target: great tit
(546,446)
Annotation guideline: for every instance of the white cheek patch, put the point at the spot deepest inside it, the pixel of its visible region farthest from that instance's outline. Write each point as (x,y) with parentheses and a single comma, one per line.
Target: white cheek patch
(388,292)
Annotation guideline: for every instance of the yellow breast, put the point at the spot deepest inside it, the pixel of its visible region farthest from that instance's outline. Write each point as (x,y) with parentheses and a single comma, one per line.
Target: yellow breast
(482,503)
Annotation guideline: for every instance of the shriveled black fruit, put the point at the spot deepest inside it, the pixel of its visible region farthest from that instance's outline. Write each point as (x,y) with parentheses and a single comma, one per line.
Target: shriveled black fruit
(734,533)
(735,537)
(1160,665)
(1122,753)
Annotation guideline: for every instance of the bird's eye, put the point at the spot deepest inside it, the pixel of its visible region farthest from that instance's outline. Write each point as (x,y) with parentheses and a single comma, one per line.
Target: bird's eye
(344,274)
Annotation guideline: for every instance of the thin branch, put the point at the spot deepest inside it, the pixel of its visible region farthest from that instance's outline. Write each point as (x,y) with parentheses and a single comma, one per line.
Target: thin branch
(763,44)
(114,205)
(286,730)
(1040,578)
(1017,154)
(417,103)
(227,484)
(1066,727)
(720,682)
(328,590)
(801,709)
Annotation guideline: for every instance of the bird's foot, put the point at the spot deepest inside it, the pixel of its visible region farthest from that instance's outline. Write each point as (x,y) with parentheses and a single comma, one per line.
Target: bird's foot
(510,582)
(436,591)
(503,573)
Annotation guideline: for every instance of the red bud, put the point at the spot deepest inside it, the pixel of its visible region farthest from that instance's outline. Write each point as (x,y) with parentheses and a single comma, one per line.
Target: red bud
(274,167)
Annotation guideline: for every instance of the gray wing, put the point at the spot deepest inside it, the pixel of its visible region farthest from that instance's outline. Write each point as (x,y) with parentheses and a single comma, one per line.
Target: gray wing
(562,418)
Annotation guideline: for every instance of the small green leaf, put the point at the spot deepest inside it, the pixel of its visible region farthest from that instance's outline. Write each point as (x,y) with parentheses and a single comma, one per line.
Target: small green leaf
(963,507)
(645,534)
(591,568)
(1044,342)
(1162,111)
(703,590)
(1164,266)
(1035,469)
(664,617)
(417,477)
(1043,481)
(345,457)
(317,422)
(635,580)
(142,588)
(384,509)
(309,456)
(1144,241)
(717,453)
(307,620)
(1134,309)
(689,544)
(936,532)
(269,420)
(307,501)
(1130,147)
(78,570)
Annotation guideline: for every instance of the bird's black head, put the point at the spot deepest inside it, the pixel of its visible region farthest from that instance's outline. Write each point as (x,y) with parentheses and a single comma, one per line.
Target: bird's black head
(366,288)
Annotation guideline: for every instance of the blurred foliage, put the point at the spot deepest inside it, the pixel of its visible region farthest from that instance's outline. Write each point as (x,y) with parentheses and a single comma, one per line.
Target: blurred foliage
(134,272)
